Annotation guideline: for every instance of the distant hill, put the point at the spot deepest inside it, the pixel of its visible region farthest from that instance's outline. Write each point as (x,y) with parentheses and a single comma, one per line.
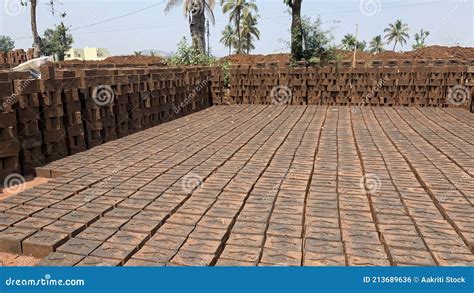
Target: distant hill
(160,53)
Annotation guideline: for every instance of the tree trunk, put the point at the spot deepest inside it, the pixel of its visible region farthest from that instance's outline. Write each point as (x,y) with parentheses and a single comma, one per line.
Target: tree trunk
(296,30)
(34,30)
(394,45)
(237,25)
(197,26)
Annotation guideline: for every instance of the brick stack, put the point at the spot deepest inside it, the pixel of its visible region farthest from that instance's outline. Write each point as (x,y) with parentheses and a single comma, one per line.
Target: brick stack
(314,85)
(217,85)
(387,84)
(9,144)
(240,82)
(27,107)
(297,84)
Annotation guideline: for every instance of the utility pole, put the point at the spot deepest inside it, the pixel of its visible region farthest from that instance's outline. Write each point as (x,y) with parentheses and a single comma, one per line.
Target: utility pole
(208,34)
(355,46)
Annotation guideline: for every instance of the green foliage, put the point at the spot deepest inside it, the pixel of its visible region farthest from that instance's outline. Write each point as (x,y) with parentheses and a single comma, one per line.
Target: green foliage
(228,38)
(420,39)
(237,10)
(317,46)
(226,71)
(349,41)
(376,45)
(6,44)
(189,55)
(57,41)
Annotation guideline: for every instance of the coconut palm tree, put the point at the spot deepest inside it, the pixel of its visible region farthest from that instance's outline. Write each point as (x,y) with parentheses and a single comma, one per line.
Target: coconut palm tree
(397,32)
(196,11)
(228,37)
(249,32)
(296,28)
(348,42)
(237,9)
(420,39)
(376,45)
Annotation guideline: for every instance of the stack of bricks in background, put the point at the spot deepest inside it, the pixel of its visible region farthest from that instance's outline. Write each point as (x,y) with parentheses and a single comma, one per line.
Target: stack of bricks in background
(389,83)
(70,110)
(9,145)
(14,58)
(218,85)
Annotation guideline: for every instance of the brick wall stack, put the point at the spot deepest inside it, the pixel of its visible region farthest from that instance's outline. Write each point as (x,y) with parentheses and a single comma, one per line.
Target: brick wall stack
(73,109)
(425,83)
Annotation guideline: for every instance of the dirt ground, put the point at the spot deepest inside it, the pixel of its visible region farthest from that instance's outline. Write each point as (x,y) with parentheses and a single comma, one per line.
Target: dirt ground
(430,53)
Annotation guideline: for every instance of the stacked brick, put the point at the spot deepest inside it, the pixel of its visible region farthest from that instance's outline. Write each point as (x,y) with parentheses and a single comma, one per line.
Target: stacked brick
(218,85)
(73,109)
(9,145)
(389,83)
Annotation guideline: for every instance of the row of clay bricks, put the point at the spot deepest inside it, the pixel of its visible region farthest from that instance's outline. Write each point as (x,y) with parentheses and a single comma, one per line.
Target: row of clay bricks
(14,57)
(423,86)
(440,202)
(68,210)
(57,115)
(281,242)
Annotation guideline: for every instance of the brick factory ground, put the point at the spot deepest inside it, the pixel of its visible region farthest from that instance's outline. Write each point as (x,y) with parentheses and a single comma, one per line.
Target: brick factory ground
(261,185)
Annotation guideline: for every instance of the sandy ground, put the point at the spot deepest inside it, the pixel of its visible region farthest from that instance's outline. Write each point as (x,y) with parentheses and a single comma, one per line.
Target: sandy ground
(7,259)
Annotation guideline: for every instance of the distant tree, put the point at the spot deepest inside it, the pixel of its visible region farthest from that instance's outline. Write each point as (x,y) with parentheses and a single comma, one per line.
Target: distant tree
(376,45)
(316,41)
(237,9)
(57,41)
(195,11)
(349,41)
(37,50)
(296,28)
(6,44)
(228,37)
(420,39)
(250,32)
(137,53)
(397,32)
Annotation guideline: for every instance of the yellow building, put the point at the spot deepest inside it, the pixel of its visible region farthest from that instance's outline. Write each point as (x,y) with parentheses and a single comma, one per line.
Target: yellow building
(93,54)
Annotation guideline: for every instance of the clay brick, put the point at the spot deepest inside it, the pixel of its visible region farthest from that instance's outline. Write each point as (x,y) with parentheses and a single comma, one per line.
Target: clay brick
(11,238)
(57,259)
(43,243)
(116,251)
(95,234)
(79,246)
(92,261)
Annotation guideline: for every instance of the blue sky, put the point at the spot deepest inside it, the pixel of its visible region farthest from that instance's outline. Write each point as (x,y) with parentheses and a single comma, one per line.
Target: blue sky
(451,22)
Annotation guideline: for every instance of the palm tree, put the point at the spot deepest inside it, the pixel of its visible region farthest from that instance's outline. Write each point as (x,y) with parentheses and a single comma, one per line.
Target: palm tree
(249,31)
(196,11)
(376,45)
(237,9)
(228,37)
(420,39)
(348,42)
(296,28)
(397,32)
